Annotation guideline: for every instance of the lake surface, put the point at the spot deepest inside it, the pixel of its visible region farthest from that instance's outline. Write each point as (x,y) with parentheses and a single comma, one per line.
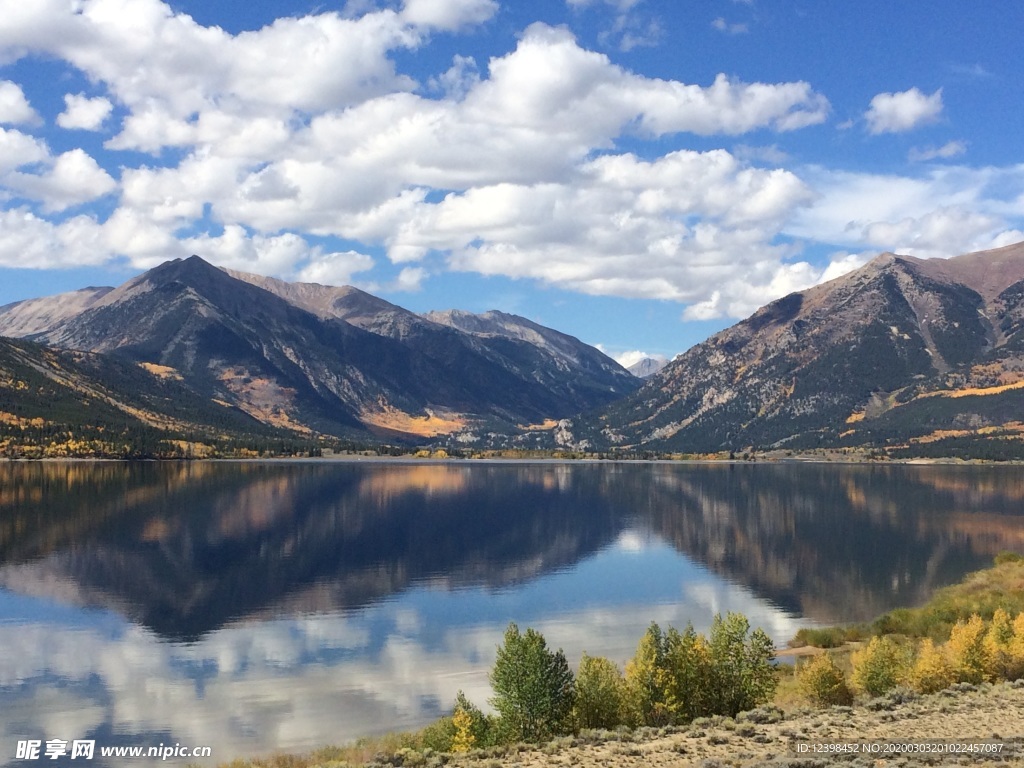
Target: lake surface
(256,607)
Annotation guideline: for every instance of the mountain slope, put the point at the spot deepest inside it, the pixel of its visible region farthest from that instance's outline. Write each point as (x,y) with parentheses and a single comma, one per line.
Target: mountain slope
(895,354)
(557,360)
(316,358)
(60,402)
(556,373)
(25,318)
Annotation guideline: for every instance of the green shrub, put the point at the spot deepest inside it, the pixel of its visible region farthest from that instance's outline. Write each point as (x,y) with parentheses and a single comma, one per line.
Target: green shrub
(824,683)
(880,666)
(439,735)
(826,637)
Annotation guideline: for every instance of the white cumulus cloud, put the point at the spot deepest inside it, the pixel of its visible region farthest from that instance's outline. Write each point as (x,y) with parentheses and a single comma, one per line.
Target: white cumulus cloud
(514,166)
(84,113)
(29,240)
(674,228)
(945,212)
(18,149)
(14,107)
(903,111)
(72,179)
(448,14)
(335,268)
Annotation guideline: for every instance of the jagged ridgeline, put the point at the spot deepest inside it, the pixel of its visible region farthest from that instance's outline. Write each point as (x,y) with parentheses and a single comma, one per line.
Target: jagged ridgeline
(304,360)
(912,357)
(919,357)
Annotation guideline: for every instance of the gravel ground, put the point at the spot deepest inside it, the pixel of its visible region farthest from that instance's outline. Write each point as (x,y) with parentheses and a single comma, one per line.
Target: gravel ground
(962,715)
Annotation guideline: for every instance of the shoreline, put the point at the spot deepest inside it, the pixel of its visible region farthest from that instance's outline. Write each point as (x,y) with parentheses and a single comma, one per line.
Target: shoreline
(440,461)
(984,723)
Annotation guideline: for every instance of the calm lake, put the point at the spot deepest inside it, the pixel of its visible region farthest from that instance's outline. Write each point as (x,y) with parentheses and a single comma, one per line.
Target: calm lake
(257,607)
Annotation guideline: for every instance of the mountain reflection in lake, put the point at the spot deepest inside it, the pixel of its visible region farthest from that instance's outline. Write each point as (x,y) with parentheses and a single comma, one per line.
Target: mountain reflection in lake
(257,607)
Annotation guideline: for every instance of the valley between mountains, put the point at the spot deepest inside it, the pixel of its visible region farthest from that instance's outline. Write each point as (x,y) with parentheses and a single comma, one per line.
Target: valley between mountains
(903,357)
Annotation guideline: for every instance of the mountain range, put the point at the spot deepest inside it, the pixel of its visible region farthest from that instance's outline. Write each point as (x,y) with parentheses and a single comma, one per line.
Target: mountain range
(907,356)
(314,359)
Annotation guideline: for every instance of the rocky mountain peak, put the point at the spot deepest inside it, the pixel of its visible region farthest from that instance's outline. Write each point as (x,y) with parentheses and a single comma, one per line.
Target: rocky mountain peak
(841,363)
(312,357)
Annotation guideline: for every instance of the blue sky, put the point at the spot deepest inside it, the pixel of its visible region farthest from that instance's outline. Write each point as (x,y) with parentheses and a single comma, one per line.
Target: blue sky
(639,173)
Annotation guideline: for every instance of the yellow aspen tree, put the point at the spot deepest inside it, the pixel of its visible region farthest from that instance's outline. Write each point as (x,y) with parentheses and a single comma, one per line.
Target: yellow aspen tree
(824,683)
(933,670)
(967,647)
(997,646)
(464,740)
(1016,651)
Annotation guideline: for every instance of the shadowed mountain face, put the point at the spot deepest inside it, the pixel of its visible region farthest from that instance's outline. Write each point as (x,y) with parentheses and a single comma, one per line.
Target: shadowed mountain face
(499,350)
(309,357)
(84,402)
(187,548)
(903,353)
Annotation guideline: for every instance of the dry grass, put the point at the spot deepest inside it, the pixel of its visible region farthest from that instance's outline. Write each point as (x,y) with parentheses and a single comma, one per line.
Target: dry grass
(974,391)
(393,420)
(162,371)
(544,426)
(262,398)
